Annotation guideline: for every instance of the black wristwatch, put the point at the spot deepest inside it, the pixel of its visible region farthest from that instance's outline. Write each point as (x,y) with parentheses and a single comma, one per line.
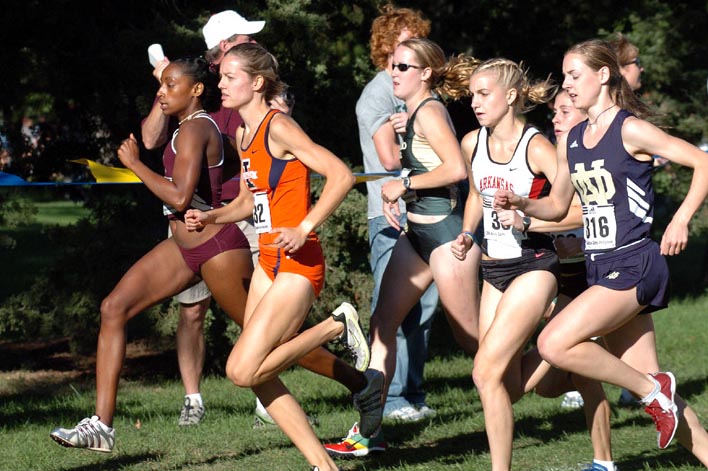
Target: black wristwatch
(406,183)
(527,223)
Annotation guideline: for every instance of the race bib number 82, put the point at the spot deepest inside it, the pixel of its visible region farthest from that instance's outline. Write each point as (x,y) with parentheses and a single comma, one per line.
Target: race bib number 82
(261,213)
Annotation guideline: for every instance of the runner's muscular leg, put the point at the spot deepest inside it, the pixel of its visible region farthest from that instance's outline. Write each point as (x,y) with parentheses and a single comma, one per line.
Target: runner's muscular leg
(457,283)
(404,281)
(320,360)
(269,344)
(325,363)
(159,274)
(228,276)
(635,343)
(291,419)
(190,343)
(497,367)
(564,341)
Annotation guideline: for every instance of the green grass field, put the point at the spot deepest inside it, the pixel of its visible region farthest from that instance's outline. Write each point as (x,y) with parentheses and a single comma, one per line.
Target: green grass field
(547,437)
(34,248)
(60,213)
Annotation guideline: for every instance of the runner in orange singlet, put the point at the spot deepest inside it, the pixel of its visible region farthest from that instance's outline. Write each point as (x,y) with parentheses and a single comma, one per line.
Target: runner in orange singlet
(276,157)
(281,190)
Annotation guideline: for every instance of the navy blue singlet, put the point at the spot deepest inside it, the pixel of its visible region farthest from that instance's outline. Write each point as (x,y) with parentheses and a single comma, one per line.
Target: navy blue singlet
(615,189)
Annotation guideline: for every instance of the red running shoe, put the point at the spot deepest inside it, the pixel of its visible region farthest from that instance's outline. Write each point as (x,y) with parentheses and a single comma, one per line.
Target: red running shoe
(663,409)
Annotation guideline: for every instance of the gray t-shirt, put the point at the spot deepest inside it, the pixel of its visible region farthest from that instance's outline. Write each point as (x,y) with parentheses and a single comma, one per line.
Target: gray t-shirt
(375,105)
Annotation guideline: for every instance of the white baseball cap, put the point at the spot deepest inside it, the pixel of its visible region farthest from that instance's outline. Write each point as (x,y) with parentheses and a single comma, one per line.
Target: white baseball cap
(225,24)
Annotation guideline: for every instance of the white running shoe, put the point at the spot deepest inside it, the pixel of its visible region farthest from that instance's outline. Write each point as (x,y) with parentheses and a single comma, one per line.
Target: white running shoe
(353,335)
(598,467)
(572,400)
(425,410)
(262,418)
(90,433)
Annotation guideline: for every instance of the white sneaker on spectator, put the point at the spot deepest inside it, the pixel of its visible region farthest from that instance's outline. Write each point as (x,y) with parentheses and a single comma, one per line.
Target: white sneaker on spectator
(424,410)
(192,412)
(406,413)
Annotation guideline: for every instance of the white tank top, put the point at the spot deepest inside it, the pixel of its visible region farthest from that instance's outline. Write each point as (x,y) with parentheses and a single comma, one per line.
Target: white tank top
(505,242)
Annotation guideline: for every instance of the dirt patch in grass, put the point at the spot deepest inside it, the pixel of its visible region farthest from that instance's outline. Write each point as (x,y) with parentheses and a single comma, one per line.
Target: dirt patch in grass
(40,364)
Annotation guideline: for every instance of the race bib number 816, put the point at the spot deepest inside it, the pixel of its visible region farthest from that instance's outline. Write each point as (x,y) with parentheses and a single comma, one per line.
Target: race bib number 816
(600,227)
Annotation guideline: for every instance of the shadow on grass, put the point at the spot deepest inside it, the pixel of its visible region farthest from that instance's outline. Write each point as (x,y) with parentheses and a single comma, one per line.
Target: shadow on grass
(114,464)
(692,387)
(443,383)
(34,374)
(676,456)
(446,450)
(38,403)
(124,462)
(541,430)
(142,361)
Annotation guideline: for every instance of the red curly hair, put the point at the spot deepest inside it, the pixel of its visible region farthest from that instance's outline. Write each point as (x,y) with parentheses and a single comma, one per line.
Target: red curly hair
(387,27)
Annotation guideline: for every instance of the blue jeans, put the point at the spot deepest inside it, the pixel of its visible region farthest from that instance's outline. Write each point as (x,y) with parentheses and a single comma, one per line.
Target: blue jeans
(413,335)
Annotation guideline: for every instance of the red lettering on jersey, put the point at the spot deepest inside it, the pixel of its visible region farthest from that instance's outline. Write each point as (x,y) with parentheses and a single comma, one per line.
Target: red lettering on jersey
(498,183)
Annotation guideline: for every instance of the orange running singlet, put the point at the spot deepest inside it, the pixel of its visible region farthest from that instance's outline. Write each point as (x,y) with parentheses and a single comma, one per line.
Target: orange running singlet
(281,187)
(281,190)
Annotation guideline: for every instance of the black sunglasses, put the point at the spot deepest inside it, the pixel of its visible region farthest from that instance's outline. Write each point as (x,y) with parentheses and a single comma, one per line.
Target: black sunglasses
(404,67)
(635,61)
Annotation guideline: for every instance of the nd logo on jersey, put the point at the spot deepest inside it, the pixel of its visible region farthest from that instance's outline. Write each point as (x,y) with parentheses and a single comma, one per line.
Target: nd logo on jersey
(595,186)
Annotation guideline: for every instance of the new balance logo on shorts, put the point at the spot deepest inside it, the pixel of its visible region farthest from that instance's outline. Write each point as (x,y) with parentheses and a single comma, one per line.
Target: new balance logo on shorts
(612,275)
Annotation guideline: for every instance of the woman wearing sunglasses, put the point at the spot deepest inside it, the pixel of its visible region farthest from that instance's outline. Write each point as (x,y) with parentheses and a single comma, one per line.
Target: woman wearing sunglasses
(628,58)
(433,168)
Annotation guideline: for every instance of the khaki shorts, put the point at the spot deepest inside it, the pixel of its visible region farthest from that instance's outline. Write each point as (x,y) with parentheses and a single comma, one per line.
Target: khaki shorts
(200,291)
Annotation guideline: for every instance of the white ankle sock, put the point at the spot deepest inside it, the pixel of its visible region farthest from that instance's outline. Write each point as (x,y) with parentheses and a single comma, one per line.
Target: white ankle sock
(609,465)
(197,396)
(105,427)
(651,396)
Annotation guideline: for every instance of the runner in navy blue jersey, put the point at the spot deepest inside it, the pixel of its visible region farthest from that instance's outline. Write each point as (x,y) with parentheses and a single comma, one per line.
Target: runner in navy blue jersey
(607,160)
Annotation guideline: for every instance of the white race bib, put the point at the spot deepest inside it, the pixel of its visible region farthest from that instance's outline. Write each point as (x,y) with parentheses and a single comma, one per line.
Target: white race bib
(261,213)
(493,229)
(496,231)
(600,227)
